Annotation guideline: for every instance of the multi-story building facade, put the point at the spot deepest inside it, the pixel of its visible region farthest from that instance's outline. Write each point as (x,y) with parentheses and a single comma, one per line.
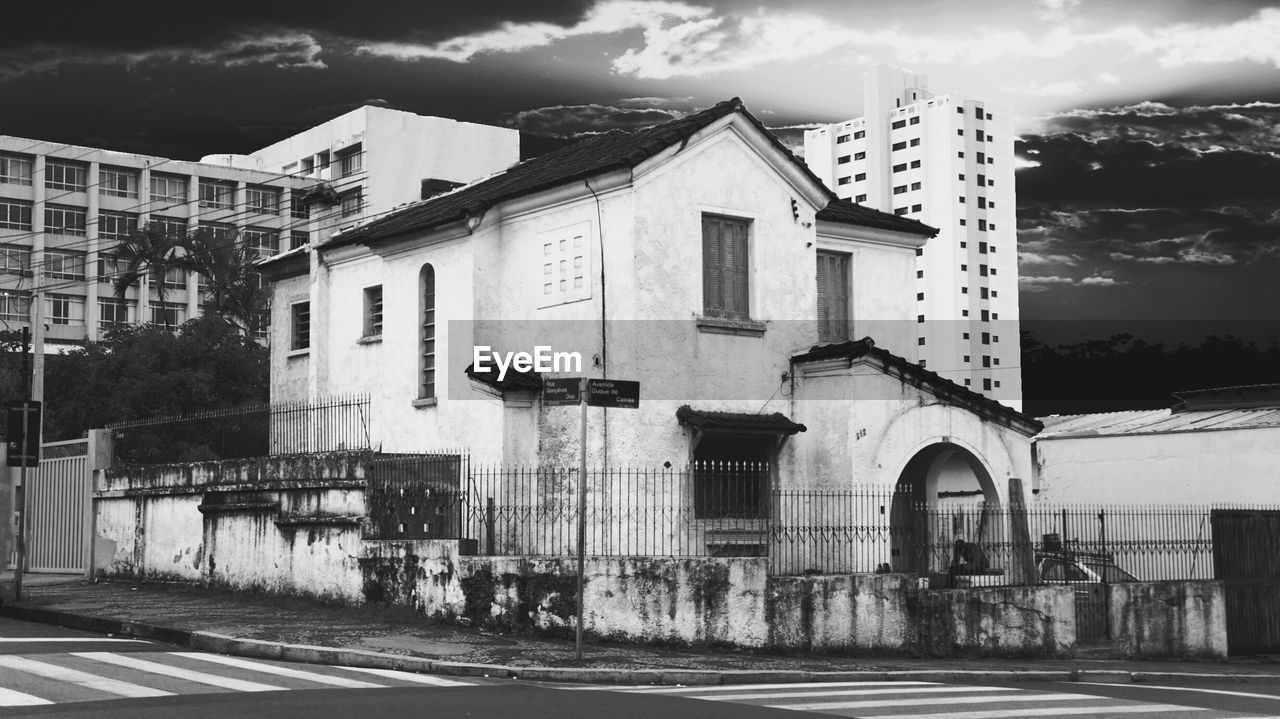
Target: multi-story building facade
(64,208)
(946,160)
(374,159)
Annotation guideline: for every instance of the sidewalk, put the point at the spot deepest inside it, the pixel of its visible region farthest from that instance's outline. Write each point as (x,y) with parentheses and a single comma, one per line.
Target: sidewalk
(306,630)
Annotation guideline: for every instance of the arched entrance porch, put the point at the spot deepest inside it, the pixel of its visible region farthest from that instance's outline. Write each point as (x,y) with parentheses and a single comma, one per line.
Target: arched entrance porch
(944,493)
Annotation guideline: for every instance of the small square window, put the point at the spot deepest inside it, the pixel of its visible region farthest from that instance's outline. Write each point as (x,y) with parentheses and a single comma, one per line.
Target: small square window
(860,176)
(965,336)
(860,198)
(917,208)
(960,154)
(920,341)
(967,381)
(960,132)
(915,185)
(920,296)
(966,358)
(964,313)
(920,319)
(963,244)
(859,134)
(997,382)
(915,120)
(962,199)
(915,164)
(859,155)
(964,290)
(962,222)
(919,274)
(915,142)
(842,139)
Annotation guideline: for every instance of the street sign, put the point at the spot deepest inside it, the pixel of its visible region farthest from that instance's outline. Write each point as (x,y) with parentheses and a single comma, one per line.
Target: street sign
(613,393)
(24,434)
(561,391)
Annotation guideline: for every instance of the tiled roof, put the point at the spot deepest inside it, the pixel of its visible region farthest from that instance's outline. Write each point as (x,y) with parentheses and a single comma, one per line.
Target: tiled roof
(851,213)
(1156,421)
(934,383)
(776,423)
(609,151)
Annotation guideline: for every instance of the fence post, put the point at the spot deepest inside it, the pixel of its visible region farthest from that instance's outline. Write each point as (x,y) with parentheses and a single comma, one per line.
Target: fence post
(490,520)
(1022,562)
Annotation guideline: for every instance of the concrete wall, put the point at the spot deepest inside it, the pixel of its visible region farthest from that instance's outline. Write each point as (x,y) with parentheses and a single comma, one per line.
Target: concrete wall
(844,613)
(1186,620)
(997,621)
(284,524)
(1207,467)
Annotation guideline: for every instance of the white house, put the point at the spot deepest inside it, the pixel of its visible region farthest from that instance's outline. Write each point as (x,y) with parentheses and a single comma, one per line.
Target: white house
(699,258)
(1214,446)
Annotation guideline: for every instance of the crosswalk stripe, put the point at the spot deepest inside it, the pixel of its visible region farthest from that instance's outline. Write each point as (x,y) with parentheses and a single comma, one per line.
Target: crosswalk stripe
(177,673)
(408,676)
(84,679)
(740,687)
(1194,689)
(854,692)
(1057,712)
(876,703)
(63,640)
(279,671)
(10,698)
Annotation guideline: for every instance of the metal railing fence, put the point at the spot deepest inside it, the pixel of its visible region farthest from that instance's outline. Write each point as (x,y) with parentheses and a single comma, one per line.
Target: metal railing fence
(327,425)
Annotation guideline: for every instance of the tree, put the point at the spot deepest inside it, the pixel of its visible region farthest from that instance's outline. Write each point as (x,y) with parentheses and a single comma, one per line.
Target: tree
(235,288)
(150,251)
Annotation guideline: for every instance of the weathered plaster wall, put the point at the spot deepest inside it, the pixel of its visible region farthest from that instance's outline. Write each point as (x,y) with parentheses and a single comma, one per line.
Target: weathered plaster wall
(289,370)
(1168,468)
(284,523)
(1186,620)
(1005,621)
(843,613)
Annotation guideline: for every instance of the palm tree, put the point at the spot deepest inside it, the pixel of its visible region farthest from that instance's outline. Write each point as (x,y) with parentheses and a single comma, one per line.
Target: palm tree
(226,263)
(150,251)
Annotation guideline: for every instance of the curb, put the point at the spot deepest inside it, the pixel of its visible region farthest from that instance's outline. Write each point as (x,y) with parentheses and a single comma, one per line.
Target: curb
(309,654)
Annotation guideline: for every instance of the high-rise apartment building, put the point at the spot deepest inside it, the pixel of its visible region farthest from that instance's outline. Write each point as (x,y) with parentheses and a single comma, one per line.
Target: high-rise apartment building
(946,160)
(64,208)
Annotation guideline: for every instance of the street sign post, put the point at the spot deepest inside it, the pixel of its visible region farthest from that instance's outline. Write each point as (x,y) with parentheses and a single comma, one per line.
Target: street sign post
(564,391)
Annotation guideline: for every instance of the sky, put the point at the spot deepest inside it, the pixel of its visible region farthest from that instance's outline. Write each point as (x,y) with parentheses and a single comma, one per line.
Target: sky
(1149,148)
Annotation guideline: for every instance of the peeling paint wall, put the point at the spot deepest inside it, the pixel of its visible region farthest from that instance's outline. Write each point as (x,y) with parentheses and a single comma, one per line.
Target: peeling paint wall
(284,524)
(840,613)
(996,621)
(1186,620)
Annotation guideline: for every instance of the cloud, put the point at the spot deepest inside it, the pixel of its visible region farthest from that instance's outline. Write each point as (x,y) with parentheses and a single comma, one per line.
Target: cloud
(572,120)
(1033,258)
(1054,89)
(1045,283)
(603,18)
(283,49)
(1051,10)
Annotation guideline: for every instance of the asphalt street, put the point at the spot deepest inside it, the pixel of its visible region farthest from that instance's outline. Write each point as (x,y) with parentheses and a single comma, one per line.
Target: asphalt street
(49,671)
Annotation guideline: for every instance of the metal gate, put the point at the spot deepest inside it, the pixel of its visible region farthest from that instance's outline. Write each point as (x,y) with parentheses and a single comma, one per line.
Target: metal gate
(1246,557)
(57,503)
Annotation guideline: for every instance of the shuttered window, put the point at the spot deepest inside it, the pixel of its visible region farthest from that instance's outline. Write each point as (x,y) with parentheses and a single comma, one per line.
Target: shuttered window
(724,267)
(833,296)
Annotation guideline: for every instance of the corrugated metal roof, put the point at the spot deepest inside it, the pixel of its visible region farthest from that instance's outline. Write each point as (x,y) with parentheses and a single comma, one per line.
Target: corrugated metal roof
(1156,421)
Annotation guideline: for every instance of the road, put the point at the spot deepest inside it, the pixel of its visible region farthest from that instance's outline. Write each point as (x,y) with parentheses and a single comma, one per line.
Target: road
(52,672)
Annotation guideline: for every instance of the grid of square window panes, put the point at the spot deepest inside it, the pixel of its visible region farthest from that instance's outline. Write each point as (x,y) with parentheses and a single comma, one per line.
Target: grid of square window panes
(115,312)
(266,242)
(15,306)
(64,264)
(217,194)
(116,225)
(263,199)
(66,309)
(15,169)
(168,188)
(64,220)
(15,215)
(65,175)
(14,259)
(115,182)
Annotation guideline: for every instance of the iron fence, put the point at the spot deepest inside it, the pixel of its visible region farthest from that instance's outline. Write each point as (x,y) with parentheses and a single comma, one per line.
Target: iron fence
(332,424)
(720,509)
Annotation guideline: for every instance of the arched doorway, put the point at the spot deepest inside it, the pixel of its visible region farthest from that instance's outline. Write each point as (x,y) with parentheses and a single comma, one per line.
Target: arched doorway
(944,493)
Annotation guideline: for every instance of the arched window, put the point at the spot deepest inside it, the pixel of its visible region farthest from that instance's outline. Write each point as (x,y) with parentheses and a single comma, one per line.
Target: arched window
(427,344)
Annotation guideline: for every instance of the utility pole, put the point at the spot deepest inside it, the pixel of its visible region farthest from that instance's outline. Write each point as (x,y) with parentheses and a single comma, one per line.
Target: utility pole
(22,472)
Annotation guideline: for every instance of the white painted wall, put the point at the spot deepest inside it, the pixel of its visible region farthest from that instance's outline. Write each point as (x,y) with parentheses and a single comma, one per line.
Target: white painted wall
(1221,466)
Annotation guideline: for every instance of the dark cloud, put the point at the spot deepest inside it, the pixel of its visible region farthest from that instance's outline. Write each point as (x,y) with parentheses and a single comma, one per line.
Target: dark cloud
(1166,205)
(573,120)
(148,24)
